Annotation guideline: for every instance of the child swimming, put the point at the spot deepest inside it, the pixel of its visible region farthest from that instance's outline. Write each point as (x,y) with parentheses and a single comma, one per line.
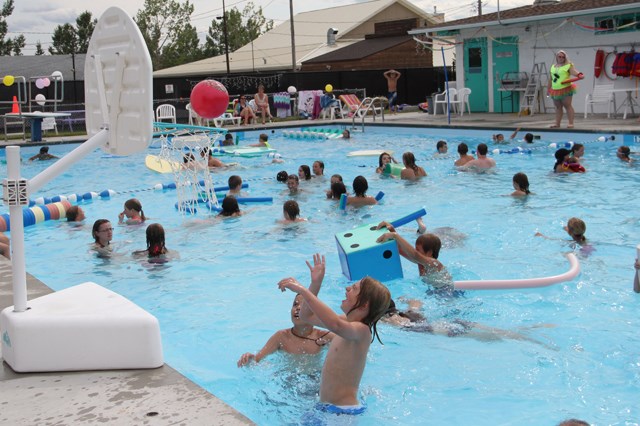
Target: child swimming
(133,212)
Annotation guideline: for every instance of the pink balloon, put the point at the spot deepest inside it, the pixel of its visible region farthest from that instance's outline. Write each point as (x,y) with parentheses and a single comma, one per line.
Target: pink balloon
(209,99)
(40,83)
(46,81)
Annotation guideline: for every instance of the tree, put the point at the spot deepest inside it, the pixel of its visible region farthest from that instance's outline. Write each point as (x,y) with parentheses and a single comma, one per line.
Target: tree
(39,51)
(68,39)
(242,29)
(9,45)
(170,38)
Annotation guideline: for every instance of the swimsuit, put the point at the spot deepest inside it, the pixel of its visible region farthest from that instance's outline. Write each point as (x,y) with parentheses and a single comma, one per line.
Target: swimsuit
(351,410)
(393,96)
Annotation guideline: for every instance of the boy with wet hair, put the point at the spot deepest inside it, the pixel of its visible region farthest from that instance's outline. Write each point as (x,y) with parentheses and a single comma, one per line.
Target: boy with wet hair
(291,212)
(235,186)
(360,186)
(366,301)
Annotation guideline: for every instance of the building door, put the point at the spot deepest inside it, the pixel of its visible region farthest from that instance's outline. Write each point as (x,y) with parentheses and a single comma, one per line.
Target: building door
(505,60)
(475,73)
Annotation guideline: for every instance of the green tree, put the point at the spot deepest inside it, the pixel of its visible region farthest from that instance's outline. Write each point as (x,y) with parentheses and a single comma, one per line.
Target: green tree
(243,27)
(68,39)
(39,50)
(9,46)
(170,38)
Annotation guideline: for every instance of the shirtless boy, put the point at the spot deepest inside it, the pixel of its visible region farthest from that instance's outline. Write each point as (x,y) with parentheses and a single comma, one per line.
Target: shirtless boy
(392,77)
(483,162)
(366,301)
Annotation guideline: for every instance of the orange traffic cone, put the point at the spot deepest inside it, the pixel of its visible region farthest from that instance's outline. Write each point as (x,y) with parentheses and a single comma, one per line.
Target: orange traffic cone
(15,108)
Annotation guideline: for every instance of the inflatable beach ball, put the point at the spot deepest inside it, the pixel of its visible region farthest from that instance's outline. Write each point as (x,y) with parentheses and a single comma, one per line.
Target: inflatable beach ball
(209,99)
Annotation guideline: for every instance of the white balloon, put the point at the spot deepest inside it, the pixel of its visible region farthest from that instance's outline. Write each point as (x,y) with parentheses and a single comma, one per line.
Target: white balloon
(292,90)
(56,75)
(40,99)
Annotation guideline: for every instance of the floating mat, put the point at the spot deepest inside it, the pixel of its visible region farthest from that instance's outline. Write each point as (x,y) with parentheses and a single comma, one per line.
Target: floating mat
(159,165)
(249,151)
(368,153)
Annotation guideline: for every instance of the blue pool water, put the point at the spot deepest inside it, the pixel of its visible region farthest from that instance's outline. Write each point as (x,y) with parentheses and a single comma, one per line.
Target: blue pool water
(221,300)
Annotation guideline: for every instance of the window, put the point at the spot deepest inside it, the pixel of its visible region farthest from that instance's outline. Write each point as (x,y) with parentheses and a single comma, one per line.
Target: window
(617,23)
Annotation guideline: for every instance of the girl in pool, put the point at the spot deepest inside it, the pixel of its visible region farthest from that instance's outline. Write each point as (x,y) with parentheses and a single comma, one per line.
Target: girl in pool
(334,179)
(521,185)
(304,172)
(383,160)
(291,212)
(102,233)
(230,208)
(360,186)
(577,152)
(576,229)
(565,163)
(623,153)
(336,191)
(156,250)
(133,212)
(411,171)
(301,339)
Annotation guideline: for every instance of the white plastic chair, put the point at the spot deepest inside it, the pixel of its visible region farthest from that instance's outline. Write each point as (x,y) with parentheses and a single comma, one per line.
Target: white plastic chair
(166,112)
(49,123)
(602,94)
(335,109)
(441,98)
(462,99)
(227,118)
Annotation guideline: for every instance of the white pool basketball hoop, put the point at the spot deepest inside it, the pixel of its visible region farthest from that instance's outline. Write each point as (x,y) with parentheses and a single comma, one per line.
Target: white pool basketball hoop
(118,84)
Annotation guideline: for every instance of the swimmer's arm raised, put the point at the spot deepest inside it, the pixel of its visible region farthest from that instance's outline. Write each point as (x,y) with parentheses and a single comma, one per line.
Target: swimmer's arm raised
(272,345)
(316,271)
(408,251)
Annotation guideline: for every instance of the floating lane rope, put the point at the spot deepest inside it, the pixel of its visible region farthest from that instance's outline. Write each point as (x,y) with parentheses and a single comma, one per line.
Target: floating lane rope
(37,214)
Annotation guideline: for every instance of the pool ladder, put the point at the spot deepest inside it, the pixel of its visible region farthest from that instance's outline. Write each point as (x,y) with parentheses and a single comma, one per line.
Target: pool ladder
(375,106)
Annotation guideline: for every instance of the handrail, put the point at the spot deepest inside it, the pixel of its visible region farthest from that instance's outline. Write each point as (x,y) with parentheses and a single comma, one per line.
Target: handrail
(365,106)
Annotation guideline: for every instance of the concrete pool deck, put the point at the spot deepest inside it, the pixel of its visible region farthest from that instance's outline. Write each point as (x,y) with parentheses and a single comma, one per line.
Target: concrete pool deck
(163,396)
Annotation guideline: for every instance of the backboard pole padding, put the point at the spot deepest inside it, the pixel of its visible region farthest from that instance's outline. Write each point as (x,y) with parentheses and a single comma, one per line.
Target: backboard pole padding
(101,88)
(65,162)
(18,267)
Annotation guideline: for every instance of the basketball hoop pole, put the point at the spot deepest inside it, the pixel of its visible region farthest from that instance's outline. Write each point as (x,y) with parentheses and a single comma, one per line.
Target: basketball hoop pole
(16,195)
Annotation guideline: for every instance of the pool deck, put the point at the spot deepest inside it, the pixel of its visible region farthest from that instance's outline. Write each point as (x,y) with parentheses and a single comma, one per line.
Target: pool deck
(163,396)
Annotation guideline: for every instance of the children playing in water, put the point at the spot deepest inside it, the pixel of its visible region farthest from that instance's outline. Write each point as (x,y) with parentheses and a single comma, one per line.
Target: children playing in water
(411,171)
(235,186)
(576,228)
(623,153)
(263,141)
(366,301)
(212,162)
(133,213)
(230,208)
(482,163)
(360,186)
(521,185)
(463,150)
(156,250)
(303,338)
(43,155)
(291,213)
(304,172)
(75,214)
(335,179)
(424,254)
(383,160)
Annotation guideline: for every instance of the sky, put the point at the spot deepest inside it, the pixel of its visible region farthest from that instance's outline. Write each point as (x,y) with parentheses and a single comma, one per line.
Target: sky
(36,19)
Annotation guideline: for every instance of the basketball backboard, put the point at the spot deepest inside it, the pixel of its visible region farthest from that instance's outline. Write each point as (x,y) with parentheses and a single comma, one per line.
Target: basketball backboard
(118,84)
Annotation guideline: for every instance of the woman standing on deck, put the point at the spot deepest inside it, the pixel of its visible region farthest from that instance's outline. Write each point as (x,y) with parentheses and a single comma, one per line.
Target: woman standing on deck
(560,91)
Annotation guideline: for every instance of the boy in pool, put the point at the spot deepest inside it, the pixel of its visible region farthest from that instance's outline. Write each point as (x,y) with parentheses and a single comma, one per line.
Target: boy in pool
(424,254)
(360,186)
(303,338)
(235,186)
(263,141)
(291,213)
(366,301)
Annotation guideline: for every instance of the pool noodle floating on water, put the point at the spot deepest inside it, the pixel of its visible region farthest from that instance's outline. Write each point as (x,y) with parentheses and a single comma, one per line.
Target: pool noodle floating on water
(37,214)
(408,218)
(574,270)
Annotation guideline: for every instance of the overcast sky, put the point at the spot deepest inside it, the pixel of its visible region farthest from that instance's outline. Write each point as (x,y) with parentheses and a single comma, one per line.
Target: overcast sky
(36,19)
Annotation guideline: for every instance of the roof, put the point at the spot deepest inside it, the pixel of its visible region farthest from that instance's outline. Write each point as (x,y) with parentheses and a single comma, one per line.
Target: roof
(360,49)
(540,12)
(272,50)
(43,65)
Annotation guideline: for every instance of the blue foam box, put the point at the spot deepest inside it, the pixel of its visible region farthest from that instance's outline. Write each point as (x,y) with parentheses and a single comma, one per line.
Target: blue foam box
(360,254)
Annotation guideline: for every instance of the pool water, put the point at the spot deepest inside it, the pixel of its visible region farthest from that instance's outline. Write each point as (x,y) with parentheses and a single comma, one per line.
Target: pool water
(580,357)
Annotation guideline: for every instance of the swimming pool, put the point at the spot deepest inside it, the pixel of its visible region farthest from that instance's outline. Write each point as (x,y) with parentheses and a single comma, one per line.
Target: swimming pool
(220,299)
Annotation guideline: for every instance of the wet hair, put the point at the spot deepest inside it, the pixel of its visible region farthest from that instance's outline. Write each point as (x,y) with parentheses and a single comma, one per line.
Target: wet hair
(380,158)
(528,138)
(560,156)
(360,186)
(482,149)
(72,213)
(463,148)
(576,147)
(523,182)
(577,228)
(294,177)
(263,137)
(44,149)
(155,240)
(378,297)
(337,189)
(430,242)
(135,204)
(292,209)
(229,206)
(573,422)
(409,160)
(410,315)
(235,182)
(96,227)
(228,136)
(625,151)
(320,163)
(307,171)
(348,135)
(282,176)
(228,140)
(188,157)
(337,176)
(440,144)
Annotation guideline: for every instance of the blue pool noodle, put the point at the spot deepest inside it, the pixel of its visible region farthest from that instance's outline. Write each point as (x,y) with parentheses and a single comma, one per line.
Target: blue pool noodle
(409,218)
(343,202)
(379,196)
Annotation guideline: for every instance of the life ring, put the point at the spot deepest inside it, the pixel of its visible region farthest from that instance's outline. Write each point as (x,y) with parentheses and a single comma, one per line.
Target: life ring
(574,270)
(599,63)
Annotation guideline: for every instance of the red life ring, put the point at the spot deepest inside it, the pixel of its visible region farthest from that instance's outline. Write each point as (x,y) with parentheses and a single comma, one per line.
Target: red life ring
(599,64)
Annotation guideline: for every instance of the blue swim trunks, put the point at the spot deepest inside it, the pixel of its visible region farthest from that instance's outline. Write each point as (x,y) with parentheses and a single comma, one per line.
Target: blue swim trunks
(392,96)
(352,410)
